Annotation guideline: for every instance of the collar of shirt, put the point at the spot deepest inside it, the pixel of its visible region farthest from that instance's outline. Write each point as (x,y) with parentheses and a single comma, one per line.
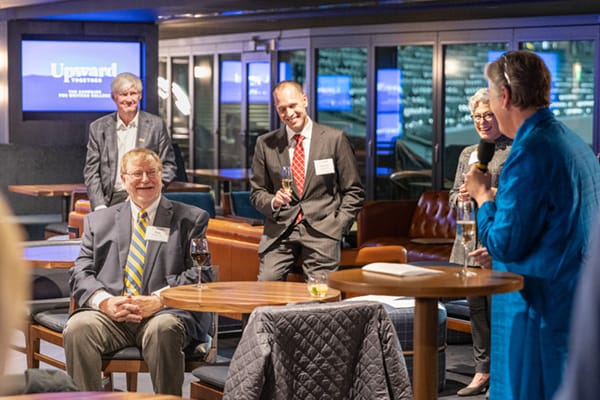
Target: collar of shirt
(306,132)
(151,210)
(121,126)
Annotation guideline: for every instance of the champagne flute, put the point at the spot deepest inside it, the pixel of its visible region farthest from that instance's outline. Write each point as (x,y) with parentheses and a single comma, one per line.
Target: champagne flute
(286,181)
(200,255)
(466,229)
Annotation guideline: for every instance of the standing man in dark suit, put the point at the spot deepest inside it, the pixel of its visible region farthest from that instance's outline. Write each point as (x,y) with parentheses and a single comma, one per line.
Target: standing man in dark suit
(118,287)
(306,223)
(115,134)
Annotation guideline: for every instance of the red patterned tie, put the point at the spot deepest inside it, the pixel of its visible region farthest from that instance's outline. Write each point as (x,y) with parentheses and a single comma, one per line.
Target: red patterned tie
(298,164)
(298,168)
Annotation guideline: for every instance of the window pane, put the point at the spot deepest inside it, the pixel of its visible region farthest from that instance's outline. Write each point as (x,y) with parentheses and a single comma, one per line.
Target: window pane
(204,144)
(259,94)
(230,92)
(463,73)
(292,66)
(403,121)
(180,104)
(571,64)
(342,95)
(163,89)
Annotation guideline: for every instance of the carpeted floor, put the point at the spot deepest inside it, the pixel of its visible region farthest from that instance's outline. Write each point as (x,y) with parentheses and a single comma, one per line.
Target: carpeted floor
(459,366)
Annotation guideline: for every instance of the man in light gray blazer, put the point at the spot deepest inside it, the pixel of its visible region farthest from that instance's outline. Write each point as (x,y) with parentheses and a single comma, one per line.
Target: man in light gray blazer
(110,317)
(303,225)
(113,135)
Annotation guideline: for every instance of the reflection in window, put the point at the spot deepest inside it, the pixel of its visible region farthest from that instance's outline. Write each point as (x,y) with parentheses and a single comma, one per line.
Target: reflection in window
(204,143)
(230,99)
(259,95)
(180,104)
(463,76)
(163,89)
(571,64)
(403,121)
(342,95)
(292,66)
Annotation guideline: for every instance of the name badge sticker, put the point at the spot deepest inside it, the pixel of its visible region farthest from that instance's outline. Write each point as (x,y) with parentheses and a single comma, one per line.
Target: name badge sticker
(324,167)
(157,233)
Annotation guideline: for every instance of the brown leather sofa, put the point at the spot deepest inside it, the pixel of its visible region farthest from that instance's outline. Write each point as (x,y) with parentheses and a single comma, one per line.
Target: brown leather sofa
(426,228)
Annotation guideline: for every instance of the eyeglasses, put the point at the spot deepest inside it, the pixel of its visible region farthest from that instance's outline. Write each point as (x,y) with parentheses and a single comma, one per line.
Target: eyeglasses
(488,116)
(505,70)
(151,173)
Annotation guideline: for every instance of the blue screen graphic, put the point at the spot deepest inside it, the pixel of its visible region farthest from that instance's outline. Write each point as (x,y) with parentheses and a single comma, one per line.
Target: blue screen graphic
(333,93)
(389,105)
(65,76)
(259,82)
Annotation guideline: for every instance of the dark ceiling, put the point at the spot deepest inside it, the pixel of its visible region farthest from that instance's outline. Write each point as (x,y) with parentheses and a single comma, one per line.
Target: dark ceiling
(187,18)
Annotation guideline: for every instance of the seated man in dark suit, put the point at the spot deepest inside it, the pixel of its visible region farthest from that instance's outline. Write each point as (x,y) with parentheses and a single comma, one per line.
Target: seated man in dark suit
(129,252)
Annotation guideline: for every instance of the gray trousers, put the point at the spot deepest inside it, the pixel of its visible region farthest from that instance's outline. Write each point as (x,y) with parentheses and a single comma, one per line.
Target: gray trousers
(300,242)
(479,309)
(90,333)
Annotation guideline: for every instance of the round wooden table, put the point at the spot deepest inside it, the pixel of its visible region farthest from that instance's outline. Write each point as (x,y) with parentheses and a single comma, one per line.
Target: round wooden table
(426,289)
(241,296)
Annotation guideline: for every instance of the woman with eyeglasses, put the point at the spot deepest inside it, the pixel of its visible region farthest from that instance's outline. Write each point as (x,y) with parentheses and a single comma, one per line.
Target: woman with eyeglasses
(479,307)
(537,224)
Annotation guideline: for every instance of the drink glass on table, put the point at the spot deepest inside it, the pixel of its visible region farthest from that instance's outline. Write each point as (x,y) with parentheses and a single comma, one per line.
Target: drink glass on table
(200,254)
(317,284)
(466,229)
(286,180)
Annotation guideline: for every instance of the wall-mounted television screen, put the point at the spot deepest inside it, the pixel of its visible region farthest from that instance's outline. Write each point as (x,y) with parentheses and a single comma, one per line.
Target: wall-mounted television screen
(74,75)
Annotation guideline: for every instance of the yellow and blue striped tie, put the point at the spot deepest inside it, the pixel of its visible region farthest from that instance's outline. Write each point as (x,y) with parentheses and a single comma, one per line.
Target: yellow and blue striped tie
(134,268)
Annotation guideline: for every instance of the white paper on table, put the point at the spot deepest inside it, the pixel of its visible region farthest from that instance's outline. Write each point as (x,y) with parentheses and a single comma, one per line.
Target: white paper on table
(394,301)
(399,269)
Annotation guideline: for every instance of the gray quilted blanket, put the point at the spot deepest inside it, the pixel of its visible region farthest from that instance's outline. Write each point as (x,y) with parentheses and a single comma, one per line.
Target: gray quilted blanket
(319,351)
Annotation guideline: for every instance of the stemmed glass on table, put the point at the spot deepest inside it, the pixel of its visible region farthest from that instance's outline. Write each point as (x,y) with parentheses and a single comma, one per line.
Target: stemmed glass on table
(200,254)
(286,181)
(466,229)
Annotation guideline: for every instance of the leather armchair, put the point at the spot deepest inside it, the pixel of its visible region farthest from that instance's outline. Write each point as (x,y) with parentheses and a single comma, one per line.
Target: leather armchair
(76,217)
(426,228)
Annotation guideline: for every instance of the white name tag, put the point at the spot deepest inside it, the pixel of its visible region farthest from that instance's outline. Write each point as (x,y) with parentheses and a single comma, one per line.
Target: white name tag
(324,167)
(157,233)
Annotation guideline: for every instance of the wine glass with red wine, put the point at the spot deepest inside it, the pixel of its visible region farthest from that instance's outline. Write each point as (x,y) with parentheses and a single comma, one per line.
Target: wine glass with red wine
(200,254)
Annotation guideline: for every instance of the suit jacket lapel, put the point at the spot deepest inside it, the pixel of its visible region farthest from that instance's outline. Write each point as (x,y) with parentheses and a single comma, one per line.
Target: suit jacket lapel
(164,215)
(110,138)
(142,130)
(313,153)
(283,153)
(123,224)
